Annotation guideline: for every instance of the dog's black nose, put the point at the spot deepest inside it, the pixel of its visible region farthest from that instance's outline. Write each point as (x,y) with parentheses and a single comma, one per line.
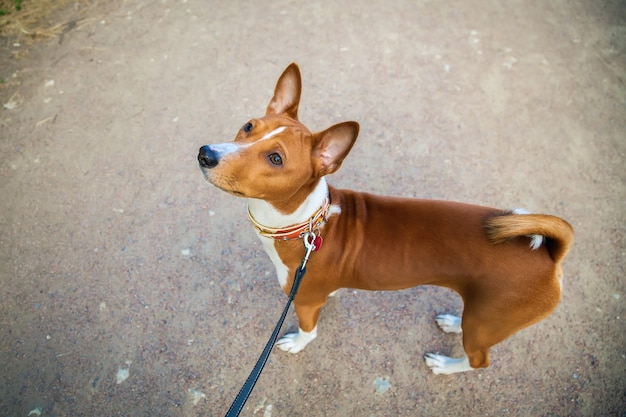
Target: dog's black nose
(207,158)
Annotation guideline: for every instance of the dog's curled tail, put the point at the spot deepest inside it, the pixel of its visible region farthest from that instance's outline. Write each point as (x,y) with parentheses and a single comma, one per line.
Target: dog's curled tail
(557,232)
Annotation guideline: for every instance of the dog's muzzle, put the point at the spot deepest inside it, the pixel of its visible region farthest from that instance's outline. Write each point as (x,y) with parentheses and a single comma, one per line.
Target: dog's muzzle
(207,158)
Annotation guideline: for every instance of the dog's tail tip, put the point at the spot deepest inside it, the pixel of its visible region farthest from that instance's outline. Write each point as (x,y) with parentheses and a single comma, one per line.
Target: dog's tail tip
(555,232)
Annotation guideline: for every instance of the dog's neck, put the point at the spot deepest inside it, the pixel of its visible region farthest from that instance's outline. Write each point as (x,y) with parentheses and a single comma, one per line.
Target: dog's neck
(268,215)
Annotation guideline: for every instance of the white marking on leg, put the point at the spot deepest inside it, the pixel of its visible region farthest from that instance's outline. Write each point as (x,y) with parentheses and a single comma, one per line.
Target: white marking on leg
(443,365)
(295,342)
(535,240)
(449,323)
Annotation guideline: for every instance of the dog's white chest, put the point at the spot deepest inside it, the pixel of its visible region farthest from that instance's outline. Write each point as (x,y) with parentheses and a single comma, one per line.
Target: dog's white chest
(281,268)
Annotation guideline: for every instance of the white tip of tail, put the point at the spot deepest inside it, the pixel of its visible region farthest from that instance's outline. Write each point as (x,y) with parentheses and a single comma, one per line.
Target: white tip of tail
(535,240)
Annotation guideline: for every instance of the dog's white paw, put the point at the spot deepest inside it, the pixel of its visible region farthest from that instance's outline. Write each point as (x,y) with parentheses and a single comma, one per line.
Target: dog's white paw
(443,365)
(295,342)
(449,323)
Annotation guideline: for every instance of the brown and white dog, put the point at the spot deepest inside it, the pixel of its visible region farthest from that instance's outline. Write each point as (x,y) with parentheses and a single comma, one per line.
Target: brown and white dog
(506,265)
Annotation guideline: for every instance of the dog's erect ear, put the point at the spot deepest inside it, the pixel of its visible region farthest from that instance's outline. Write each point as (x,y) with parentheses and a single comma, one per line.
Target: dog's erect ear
(287,93)
(332,145)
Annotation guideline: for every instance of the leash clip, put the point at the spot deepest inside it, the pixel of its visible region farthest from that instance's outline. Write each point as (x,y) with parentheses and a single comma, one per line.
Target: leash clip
(309,245)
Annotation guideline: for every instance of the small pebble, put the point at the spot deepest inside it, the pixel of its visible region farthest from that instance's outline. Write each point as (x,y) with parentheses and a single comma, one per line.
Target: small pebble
(122,375)
(382,385)
(196,395)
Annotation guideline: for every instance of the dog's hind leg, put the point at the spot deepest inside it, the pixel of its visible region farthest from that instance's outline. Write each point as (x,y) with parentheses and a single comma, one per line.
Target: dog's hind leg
(449,323)
(443,365)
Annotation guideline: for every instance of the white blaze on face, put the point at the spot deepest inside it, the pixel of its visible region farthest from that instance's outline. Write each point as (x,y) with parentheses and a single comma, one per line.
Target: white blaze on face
(224,149)
(272,133)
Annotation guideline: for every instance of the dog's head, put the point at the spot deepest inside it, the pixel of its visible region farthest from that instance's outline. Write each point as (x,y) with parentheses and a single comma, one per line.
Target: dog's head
(275,157)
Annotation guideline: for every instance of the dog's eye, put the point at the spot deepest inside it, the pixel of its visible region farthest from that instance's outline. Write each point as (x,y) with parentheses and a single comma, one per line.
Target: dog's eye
(247,127)
(275,159)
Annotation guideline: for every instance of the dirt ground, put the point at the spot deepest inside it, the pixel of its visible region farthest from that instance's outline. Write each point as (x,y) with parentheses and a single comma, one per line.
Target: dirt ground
(131,287)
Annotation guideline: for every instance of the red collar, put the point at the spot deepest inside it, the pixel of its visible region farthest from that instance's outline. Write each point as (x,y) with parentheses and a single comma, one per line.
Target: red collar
(297,230)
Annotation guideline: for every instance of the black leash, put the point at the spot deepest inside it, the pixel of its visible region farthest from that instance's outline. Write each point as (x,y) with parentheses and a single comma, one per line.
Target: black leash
(248,386)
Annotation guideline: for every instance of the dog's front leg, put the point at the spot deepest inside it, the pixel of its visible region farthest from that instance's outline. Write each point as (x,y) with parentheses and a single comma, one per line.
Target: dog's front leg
(307,331)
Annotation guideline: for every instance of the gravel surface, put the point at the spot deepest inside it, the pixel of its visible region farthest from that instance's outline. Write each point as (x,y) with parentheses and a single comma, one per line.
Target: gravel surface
(131,287)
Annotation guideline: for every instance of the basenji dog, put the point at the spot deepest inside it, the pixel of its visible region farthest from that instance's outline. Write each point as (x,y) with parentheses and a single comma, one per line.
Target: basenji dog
(505,264)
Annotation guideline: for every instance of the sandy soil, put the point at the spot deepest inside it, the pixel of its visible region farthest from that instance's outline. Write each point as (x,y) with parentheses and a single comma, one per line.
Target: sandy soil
(116,256)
